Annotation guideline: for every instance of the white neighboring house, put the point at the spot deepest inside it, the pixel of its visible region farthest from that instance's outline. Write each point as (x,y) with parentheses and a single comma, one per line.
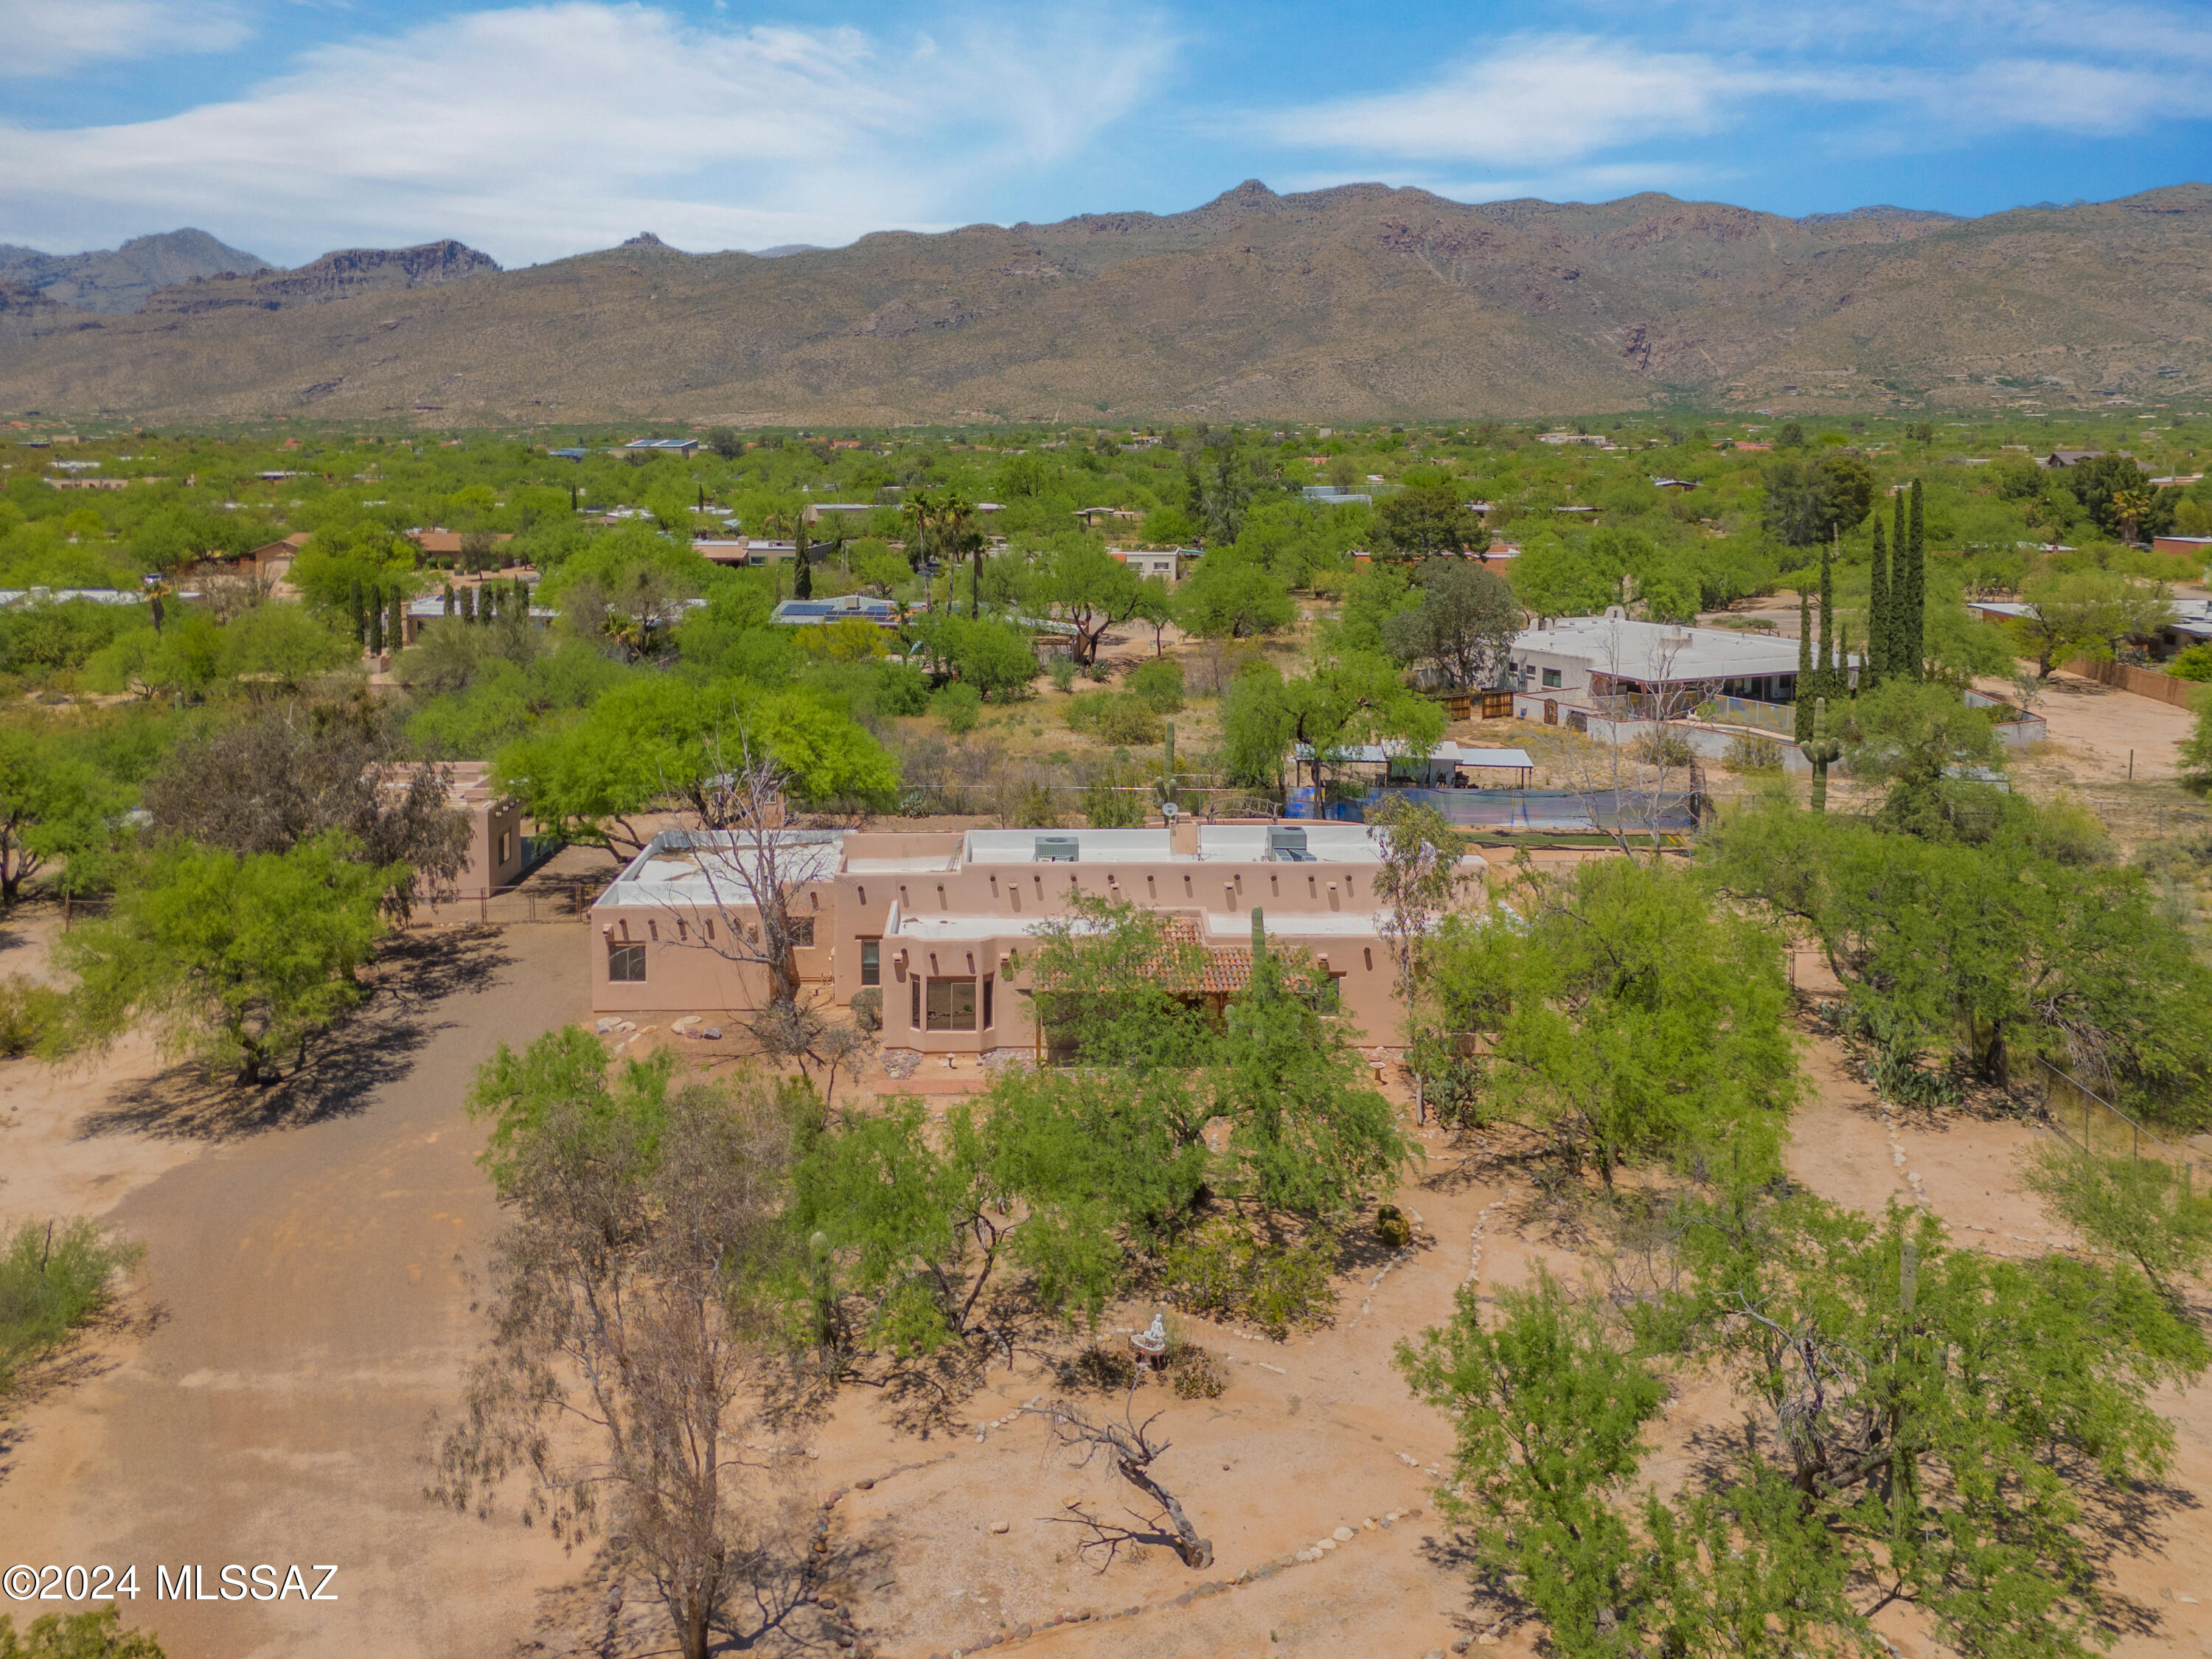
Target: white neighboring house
(1612,663)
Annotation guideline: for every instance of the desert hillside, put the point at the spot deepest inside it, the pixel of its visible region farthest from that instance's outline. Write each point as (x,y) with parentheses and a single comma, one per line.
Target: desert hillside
(1360,302)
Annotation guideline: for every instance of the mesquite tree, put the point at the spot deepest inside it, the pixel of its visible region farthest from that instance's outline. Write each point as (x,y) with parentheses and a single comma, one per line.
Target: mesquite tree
(625,1314)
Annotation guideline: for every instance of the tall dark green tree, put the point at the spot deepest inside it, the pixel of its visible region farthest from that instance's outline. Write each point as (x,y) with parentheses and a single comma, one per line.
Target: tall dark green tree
(356,603)
(1879,620)
(375,599)
(1912,631)
(802,580)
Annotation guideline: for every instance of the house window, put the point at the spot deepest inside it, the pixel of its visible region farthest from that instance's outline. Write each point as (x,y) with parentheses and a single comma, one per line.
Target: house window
(871,962)
(506,845)
(987,1001)
(626,963)
(952,1005)
(802,930)
(1551,679)
(914,1017)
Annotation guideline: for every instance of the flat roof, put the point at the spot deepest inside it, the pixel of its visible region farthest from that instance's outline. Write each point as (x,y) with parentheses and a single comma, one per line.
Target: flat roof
(1451,753)
(1218,843)
(680,867)
(1661,651)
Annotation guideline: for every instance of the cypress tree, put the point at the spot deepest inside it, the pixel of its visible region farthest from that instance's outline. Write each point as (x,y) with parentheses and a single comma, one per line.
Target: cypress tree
(1899,560)
(395,628)
(376,625)
(1843,657)
(449,598)
(468,605)
(1912,636)
(802,581)
(1805,687)
(1878,663)
(359,617)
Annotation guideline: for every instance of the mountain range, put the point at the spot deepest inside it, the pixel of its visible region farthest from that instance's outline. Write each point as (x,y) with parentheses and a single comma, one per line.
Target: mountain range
(1357,302)
(121,279)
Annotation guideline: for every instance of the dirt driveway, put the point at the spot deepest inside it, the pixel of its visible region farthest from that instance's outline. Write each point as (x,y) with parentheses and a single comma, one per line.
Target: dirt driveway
(303,1311)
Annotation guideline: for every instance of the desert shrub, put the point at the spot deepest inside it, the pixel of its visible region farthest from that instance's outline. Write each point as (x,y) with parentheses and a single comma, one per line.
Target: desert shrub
(896,689)
(2193,664)
(95,1635)
(1028,806)
(1225,1271)
(959,705)
(1062,670)
(1746,753)
(2142,1209)
(1194,1373)
(1114,717)
(1159,683)
(868,1005)
(1391,1228)
(54,1276)
(1105,807)
(1664,747)
(30,1016)
(1098,1366)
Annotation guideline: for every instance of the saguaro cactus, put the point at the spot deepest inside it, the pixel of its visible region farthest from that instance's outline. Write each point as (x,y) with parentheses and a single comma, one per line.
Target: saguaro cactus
(1821,749)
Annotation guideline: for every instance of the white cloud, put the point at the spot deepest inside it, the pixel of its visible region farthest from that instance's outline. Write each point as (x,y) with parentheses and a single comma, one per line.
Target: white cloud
(536,132)
(39,38)
(1539,101)
(1945,75)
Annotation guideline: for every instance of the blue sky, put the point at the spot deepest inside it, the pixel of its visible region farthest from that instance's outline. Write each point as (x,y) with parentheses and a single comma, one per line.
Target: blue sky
(290,127)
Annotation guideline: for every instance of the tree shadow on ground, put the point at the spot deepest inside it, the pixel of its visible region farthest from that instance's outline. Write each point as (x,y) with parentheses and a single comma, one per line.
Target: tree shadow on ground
(344,1067)
(93,1351)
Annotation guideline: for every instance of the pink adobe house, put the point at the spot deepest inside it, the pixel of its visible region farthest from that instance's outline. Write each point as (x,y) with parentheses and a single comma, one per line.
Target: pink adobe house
(495,850)
(942,923)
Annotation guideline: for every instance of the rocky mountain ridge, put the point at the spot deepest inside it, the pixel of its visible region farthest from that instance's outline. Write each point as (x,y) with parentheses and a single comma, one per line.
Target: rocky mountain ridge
(1358,302)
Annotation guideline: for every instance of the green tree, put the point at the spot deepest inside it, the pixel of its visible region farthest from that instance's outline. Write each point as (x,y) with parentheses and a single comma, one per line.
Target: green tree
(1081,583)
(2086,613)
(98,1634)
(1464,624)
(2113,489)
(2002,948)
(1419,523)
(2143,1210)
(630,1299)
(1927,745)
(1928,1426)
(283,645)
(1808,501)
(56,803)
(1231,596)
(652,740)
(232,959)
(1348,699)
(1555,580)
(55,1277)
(1626,1017)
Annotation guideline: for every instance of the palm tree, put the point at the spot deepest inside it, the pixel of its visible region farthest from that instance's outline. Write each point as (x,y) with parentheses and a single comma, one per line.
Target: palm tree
(956,514)
(920,511)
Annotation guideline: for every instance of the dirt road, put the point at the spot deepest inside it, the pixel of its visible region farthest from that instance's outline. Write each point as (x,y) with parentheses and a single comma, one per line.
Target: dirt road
(304,1284)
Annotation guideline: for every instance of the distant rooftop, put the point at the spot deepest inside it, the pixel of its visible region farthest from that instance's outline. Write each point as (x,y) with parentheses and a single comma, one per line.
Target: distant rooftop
(1661,651)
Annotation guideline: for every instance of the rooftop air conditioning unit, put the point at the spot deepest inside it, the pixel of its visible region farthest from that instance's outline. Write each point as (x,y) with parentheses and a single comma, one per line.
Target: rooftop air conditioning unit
(1059,849)
(1287,842)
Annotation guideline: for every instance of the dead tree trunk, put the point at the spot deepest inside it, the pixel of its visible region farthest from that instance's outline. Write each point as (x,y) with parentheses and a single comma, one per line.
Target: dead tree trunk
(1130,1445)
